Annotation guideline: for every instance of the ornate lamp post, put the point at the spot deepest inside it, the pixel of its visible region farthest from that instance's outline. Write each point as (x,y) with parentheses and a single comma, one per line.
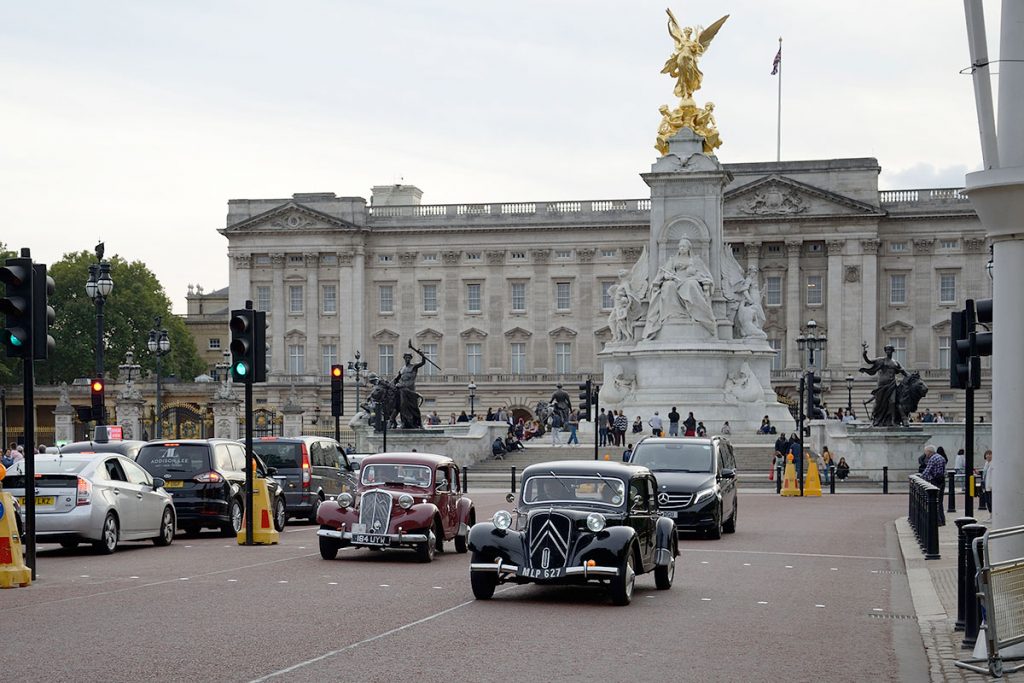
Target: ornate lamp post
(849,394)
(159,344)
(812,341)
(129,366)
(98,287)
(471,387)
(356,366)
(223,369)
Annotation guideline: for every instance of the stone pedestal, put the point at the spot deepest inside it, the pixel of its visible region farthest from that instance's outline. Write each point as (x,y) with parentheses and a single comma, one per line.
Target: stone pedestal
(292,413)
(225,418)
(868,449)
(465,445)
(64,424)
(129,416)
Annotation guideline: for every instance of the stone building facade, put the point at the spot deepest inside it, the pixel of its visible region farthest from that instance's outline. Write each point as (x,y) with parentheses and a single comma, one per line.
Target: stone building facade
(513,296)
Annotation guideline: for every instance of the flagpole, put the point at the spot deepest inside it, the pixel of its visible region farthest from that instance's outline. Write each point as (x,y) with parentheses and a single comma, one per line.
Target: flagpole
(778,132)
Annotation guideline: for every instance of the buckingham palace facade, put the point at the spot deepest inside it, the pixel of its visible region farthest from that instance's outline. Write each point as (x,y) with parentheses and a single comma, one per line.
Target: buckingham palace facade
(514,296)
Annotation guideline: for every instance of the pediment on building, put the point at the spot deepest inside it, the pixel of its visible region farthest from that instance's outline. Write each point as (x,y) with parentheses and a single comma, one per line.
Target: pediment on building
(779,197)
(942,326)
(295,333)
(473,333)
(562,332)
(429,333)
(384,335)
(518,333)
(291,217)
(898,326)
(603,333)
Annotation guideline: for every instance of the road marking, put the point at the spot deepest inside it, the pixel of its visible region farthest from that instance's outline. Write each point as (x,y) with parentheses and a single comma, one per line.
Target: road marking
(703,561)
(833,569)
(761,602)
(789,566)
(746,564)
(775,552)
(705,599)
(184,578)
(232,580)
(282,582)
(819,605)
(385,585)
(332,583)
(440,588)
(133,577)
(83,576)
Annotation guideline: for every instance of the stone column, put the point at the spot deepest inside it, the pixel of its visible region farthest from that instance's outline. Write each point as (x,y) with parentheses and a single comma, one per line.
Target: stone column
(362,306)
(225,417)
(63,418)
(292,412)
(312,314)
(869,293)
(541,357)
(753,253)
(239,280)
(279,310)
(129,415)
(794,304)
(496,293)
(588,299)
(834,315)
(347,308)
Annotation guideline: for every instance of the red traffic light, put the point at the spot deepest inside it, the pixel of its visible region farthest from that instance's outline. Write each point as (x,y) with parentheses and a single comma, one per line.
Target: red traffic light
(97,386)
(337,372)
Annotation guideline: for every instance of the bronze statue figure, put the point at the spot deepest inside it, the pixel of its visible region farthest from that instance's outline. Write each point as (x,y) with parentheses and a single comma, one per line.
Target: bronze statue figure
(382,404)
(405,382)
(561,404)
(894,401)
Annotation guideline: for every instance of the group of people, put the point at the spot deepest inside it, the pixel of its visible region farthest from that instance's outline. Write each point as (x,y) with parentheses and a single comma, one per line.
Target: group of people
(612,426)
(790,445)
(12,454)
(933,464)
(691,425)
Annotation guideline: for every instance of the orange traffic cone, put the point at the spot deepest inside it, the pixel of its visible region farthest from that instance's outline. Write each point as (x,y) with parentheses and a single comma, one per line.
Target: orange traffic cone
(790,487)
(812,482)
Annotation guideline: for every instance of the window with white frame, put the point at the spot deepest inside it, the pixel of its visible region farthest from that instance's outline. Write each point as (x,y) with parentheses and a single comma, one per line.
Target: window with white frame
(295,258)
(430,298)
(329,357)
(474,358)
(518,255)
(262,259)
(949,244)
(773,249)
(606,294)
(386,298)
(563,357)
(777,361)
(897,247)
(473,297)
(773,290)
(295,299)
(430,258)
(518,296)
(609,253)
(518,356)
(213,344)
(472,255)
(943,352)
(947,288)
(296,359)
(262,297)
(899,346)
(563,296)
(384,258)
(386,359)
(897,289)
(814,290)
(330,299)
(563,253)
(430,353)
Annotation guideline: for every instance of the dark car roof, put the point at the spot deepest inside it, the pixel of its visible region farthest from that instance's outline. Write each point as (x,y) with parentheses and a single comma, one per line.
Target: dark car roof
(121,447)
(197,442)
(607,468)
(429,459)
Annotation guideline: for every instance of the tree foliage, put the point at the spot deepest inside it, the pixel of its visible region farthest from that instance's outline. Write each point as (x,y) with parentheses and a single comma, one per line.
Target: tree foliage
(129,315)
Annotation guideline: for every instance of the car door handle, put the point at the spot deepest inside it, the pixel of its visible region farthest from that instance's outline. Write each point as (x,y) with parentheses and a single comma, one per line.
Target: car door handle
(117,492)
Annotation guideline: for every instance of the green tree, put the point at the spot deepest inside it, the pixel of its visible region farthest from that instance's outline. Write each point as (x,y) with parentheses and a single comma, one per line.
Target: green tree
(129,314)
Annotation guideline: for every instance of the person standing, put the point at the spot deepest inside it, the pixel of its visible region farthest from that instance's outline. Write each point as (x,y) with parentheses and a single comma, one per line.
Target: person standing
(935,474)
(609,426)
(673,422)
(690,424)
(986,481)
(574,425)
(602,429)
(726,429)
(556,429)
(628,453)
(701,429)
(960,466)
(655,424)
(621,425)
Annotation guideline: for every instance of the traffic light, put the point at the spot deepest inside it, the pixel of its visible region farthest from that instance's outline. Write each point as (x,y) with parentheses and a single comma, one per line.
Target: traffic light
(967,345)
(42,313)
(585,399)
(242,345)
(259,340)
(337,390)
(959,351)
(815,411)
(96,389)
(17,307)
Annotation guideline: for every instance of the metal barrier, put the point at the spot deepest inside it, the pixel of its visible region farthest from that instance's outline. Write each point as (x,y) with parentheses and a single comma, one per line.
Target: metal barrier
(1001,588)
(923,515)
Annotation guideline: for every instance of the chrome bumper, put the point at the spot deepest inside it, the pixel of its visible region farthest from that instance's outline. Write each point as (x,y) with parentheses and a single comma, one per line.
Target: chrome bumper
(392,539)
(502,569)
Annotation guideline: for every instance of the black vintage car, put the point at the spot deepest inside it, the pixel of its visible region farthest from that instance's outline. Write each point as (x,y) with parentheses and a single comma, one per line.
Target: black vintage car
(576,523)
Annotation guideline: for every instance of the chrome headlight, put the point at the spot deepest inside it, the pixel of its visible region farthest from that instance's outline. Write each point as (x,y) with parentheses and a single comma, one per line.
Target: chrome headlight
(405,501)
(502,519)
(596,521)
(344,500)
(704,494)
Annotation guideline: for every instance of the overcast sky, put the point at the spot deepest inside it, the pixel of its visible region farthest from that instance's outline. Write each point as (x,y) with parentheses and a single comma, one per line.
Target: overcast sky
(135,122)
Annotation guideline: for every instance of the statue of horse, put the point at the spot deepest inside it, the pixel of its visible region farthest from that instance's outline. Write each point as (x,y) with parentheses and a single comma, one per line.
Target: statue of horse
(543,412)
(908,394)
(384,397)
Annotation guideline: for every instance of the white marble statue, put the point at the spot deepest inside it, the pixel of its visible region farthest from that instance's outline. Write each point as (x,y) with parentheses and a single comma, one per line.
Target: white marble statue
(742,386)
(682,288)
(628,300)
(750,317)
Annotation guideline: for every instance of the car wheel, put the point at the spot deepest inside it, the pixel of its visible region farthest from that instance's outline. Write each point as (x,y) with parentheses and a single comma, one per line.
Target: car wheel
(715,532)
(730,526)
(439,534)
(426,550)
(328,547)
(664,576)
(234,523)
(316,509)
(69,545)
(623,582)
(166,529)
(280,514)
(108,543)
(483,583)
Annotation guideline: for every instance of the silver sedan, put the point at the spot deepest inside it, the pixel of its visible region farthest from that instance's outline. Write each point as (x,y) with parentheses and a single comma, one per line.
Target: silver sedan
(100,498)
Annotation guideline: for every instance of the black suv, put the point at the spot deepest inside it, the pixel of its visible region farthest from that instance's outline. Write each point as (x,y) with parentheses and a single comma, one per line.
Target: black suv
(311,469)
(206,478)
(696,481)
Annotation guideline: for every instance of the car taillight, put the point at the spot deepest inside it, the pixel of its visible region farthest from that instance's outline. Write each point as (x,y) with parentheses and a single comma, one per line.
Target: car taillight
(84,492)
(305,467)
(208,478)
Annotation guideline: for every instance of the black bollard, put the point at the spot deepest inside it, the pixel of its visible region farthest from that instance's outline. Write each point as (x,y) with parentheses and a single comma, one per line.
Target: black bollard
(778,479)
(513,478)
(972,611)
(931,538)
(885,479)
(465,480)
(961,569)
(831,478)
(951,484)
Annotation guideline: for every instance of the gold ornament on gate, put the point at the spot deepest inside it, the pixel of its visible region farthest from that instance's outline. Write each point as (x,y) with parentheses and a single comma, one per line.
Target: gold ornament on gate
(682,65)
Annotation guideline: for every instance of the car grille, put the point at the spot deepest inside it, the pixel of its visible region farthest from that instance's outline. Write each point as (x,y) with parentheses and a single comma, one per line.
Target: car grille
(549,537)
(674,501)
(375,511)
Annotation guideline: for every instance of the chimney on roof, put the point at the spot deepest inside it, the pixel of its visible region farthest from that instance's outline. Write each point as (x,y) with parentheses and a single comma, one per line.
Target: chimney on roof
(396,195)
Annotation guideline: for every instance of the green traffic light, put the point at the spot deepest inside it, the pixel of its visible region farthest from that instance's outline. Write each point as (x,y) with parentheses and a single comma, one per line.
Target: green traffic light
(241,369)
(15,340)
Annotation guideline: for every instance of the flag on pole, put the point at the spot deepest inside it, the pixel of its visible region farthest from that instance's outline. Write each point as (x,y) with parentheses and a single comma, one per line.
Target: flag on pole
(777,62)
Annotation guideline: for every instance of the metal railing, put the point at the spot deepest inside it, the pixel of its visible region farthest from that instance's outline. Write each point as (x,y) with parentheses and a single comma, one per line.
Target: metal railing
(923,515)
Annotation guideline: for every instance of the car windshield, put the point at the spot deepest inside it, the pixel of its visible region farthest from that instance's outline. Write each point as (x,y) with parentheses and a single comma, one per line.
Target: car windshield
(278,454)
(680,456)
(396,475)
(559,488)
(186,458)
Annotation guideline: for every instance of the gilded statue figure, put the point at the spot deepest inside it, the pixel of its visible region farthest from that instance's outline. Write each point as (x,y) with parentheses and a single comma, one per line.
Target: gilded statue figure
(682,65)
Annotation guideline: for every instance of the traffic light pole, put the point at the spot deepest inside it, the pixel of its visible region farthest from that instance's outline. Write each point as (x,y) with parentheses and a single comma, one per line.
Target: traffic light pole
(337,429)
(30,464)
(248,463)
(597,416)
(968,452)
(799,464)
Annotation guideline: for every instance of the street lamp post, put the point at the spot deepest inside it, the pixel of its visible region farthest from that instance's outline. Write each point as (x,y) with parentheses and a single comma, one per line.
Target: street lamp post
(159,344)
(812,341)
(849,394)
(472,398)
(356,366)
(3,419)
(98,287)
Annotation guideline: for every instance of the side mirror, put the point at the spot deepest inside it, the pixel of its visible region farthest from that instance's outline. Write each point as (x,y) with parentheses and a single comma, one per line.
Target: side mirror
(728,473)
(158,483)
(638,501)
(442,484)
(510,497)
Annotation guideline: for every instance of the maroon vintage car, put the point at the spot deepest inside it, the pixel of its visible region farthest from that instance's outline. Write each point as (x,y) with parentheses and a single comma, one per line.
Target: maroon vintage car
(404,500)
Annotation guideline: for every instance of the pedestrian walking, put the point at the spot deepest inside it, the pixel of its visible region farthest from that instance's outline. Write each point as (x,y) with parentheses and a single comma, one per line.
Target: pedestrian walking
(726,429)
(690,425)
(602,429)
(986,481)
(574,425)
(556,429)
(960,466)
(609,426)
(935,474)
(621,425)
(655,424)
(673,422)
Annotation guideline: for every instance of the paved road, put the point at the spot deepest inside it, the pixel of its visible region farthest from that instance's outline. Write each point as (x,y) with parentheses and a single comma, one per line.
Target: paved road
(806,589)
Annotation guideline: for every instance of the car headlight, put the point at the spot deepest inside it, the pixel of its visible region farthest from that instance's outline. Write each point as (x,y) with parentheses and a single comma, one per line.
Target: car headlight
(704,494)
(405,501)
(502,519)
(345,500)
(596,521)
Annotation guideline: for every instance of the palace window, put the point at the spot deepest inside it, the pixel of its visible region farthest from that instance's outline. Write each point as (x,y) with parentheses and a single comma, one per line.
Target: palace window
(606,294)
(386,297)
(773,290)
(430,298)
(777,360)
(330,293)
(609,253)
(329,356)
(897,289)
(897,247)
(814,290)
(518,355)
(295,299)
(563,358)
(214,344)
(473,297)
(899,345)
(947,288)
(518,296)
(944,353)
(430,353)
(262,298)
(386,360)
(474,358)
(296,359)
(563,296)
